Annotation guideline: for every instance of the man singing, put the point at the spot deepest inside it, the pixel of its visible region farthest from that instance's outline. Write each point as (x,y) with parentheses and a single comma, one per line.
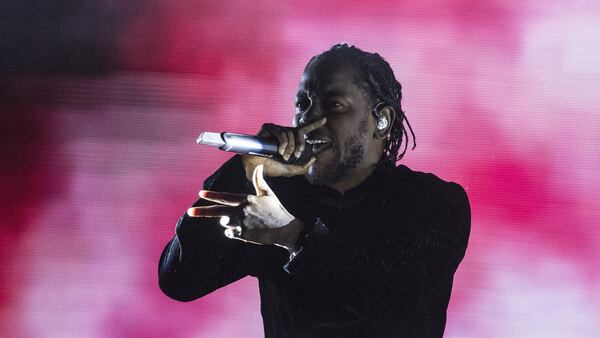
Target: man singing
(346,245)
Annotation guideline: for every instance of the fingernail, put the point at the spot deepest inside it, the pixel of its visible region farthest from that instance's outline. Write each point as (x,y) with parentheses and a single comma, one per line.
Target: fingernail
(202,193)
(191,212)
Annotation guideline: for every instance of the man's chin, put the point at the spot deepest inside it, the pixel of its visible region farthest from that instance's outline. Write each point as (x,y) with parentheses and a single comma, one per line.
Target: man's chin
(314,176)
(314,180)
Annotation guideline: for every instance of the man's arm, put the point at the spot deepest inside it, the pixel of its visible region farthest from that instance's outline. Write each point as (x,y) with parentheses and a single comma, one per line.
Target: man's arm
(200,259)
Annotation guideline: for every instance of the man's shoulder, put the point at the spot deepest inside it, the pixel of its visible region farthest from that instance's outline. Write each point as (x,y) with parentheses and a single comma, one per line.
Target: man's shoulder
(432,201)
(424,185)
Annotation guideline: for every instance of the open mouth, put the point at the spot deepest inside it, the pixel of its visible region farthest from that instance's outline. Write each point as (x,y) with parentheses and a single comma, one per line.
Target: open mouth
(319,145)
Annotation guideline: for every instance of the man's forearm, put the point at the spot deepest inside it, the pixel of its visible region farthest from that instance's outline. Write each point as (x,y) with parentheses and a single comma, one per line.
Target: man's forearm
(172,276)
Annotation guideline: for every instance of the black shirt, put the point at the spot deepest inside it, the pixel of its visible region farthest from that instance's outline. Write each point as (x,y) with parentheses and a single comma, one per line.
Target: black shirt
(376,261)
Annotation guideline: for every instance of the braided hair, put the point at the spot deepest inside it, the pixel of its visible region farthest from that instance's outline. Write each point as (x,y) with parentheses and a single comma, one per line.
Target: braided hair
(382,86)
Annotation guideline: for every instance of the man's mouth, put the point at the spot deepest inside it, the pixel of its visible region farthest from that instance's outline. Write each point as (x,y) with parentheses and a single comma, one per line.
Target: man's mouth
(319,145)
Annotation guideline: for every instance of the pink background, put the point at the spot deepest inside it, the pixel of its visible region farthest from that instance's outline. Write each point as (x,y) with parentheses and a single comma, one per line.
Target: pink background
(100,116)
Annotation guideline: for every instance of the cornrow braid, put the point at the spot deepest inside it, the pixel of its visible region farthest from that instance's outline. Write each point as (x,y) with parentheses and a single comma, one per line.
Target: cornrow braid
(382,86)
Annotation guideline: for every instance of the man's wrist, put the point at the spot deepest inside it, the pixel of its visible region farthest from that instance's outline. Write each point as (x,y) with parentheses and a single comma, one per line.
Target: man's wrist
(289,234)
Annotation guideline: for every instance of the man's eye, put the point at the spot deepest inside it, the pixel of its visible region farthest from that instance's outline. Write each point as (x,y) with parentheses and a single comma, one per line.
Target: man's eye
(335,105)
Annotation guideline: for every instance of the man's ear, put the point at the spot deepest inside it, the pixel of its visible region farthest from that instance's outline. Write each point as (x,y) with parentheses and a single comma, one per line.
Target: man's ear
(384,120)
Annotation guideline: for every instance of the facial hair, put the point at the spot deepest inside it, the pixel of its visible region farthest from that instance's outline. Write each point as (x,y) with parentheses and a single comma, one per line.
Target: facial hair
(354,153)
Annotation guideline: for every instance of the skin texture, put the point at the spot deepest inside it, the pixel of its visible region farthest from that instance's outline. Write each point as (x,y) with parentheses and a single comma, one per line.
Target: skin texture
(331,105)
(331,90)
(262,217)
(287,138)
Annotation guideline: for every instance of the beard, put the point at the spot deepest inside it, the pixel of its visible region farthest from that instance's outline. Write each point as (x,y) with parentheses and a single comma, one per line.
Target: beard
(339,167)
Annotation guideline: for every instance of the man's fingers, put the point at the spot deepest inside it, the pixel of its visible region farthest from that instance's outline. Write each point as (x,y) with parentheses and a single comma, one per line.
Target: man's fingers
(291,144)
(312,126)
(258,180)
(212,211)
(271,130)
(259,192)
(223,197)
(234,233)
(300,133)
(300,142)
(309,163)
(283,141)
(262,183)
(290,140)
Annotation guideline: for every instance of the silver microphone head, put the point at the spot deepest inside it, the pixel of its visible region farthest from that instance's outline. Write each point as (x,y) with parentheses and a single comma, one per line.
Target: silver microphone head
(211,139)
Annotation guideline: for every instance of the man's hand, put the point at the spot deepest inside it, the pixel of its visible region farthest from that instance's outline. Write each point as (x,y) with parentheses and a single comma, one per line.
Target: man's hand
(259,219)
(291,142)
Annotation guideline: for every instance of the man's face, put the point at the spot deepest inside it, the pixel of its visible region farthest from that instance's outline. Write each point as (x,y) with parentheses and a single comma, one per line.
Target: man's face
(331,89)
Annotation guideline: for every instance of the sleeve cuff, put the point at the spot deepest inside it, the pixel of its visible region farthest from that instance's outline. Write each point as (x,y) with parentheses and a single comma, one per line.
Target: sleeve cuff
(307,245)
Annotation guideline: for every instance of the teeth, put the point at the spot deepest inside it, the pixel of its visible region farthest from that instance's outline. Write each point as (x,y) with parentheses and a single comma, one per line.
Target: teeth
(316,141)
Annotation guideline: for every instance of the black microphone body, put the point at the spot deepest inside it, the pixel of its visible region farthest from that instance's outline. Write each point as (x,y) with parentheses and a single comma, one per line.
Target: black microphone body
(250,144)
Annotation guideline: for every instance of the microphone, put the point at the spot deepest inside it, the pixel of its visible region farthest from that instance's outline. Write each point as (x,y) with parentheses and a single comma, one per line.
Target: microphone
(250,144)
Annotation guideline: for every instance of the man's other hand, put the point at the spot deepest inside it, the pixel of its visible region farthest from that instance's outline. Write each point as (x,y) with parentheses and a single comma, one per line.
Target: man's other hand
(258,219)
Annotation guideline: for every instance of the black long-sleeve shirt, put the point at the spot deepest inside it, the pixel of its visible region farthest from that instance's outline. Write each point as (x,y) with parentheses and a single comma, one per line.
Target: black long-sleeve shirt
(378,260)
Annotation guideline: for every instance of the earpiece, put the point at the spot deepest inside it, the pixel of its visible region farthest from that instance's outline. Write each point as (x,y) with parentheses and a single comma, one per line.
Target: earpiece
(382,123)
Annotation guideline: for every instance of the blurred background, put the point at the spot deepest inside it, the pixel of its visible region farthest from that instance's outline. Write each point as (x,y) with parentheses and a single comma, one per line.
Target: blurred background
(101,103)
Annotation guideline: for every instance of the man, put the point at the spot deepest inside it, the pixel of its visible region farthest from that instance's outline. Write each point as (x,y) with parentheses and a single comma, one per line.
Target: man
(347,245)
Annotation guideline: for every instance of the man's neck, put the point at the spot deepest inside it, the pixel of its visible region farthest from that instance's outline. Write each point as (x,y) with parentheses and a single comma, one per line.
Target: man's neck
(353,179)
